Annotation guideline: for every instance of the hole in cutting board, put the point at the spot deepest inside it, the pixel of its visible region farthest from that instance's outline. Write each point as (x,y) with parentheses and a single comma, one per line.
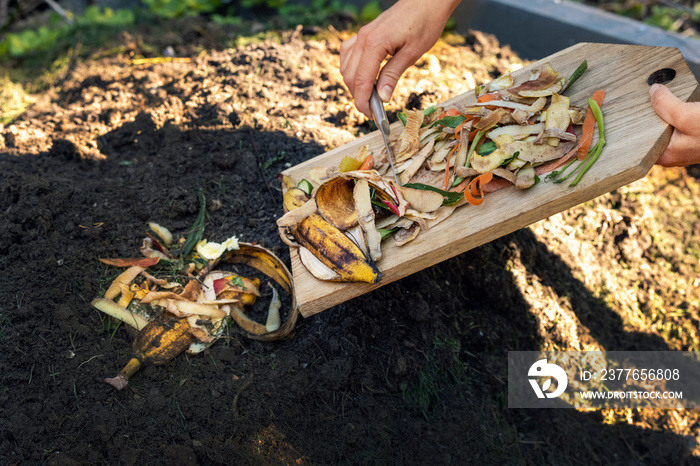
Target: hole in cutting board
(662,76)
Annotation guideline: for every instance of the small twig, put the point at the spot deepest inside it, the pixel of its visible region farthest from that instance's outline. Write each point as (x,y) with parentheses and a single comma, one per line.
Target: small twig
(85,362)
(234,404)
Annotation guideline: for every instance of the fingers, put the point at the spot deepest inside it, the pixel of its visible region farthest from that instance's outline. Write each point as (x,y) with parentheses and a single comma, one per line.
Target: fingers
(345,52)
(406,30)
(392,72)
(684,147)
(360,65)
(682,150)
(666,104)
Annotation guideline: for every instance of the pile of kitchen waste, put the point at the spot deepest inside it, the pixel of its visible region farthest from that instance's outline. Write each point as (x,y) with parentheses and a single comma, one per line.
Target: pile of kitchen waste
(177,299)
(337,218)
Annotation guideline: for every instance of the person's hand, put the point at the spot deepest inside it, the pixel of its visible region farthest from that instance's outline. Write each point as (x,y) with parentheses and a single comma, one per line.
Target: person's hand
(684,147)
(405,32)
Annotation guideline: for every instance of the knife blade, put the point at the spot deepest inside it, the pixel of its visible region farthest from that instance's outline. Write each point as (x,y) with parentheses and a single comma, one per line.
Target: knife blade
(382,122)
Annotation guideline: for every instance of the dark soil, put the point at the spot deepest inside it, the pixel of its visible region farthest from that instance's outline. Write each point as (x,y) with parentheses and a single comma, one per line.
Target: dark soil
(413,373)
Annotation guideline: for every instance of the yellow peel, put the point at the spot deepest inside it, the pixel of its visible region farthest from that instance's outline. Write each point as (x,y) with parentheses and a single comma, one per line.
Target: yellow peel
(125,277)
(111,308)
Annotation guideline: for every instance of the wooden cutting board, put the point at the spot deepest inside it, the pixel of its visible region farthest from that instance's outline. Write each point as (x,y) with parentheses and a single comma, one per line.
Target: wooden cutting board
(635,137)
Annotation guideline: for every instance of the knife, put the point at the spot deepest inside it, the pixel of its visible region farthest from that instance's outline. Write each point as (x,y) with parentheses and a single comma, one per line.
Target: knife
(380,119)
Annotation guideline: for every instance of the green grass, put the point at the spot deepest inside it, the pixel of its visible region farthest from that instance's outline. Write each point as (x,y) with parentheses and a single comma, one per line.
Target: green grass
(442,367)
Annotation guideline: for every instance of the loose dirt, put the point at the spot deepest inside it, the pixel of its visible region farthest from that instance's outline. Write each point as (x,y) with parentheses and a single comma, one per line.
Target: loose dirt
(413,373)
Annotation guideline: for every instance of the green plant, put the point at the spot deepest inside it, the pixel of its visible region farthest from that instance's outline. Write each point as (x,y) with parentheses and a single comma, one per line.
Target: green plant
(370,11)
(442,368)
(171,9)
(263,3)
(58,33)
(317,13)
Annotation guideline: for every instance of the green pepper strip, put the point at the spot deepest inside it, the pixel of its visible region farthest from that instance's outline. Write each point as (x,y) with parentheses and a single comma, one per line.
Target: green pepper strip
(595,108)
(472,148)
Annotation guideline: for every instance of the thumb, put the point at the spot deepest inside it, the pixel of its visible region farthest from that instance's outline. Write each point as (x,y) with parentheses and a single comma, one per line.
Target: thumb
(391,73)
(666,104)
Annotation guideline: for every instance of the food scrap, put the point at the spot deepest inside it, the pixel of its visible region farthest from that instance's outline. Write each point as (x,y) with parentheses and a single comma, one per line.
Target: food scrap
(445,158)
(178,300)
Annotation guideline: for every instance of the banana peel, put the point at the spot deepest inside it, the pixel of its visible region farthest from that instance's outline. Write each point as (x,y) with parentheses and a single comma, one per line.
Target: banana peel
(335,250)
(339,257)
(268,263)
(157,343)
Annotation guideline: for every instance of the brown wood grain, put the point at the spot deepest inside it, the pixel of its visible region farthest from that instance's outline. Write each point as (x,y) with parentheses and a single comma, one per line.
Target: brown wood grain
(635,137)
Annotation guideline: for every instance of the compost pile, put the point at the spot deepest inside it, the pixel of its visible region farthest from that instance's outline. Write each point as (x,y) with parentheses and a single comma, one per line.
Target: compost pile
(414,372)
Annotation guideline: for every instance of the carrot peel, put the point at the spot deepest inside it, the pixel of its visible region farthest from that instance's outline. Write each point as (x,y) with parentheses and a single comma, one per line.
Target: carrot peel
(447,168)
(138,261)
(589,126)
(368,163)
(474,193)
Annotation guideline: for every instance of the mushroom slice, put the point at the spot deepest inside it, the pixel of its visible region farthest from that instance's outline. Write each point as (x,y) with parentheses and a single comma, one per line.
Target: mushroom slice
(334,199)
(365,218)
(549,133)
(317,268)
(551,90)
(422,200)
(546,78)
(406,235)
(503,173)
(538,153)
(525,177)
(491,120)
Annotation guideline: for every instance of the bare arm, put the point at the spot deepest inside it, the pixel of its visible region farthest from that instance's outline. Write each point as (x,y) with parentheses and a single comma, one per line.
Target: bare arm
(404,32)
(684,147)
